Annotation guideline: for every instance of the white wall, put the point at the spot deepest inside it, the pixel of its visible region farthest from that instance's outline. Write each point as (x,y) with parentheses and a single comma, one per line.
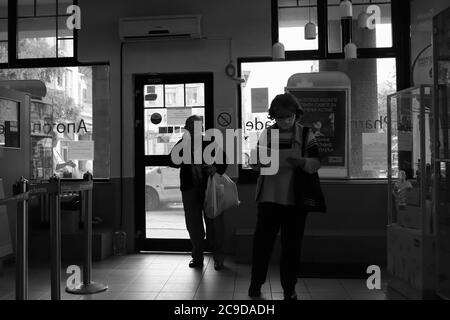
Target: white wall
(247,22)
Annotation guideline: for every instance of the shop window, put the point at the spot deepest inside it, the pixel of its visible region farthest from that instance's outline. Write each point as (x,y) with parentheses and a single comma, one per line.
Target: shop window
(292,18)
(42,30)
(293,15)
(3,31)
(372,80)
(72,119)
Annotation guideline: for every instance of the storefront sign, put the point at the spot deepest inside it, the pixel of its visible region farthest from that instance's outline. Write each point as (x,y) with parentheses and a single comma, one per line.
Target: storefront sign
(326,114)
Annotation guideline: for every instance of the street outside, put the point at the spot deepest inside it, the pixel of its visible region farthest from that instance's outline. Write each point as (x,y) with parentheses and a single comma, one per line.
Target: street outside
(167,223)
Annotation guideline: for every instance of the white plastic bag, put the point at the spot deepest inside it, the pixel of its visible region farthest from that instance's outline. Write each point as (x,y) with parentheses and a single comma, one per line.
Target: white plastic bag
(221,194)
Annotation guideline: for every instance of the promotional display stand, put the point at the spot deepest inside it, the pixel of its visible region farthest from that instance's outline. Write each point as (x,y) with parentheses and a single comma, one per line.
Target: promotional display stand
(441,186)
(411,222)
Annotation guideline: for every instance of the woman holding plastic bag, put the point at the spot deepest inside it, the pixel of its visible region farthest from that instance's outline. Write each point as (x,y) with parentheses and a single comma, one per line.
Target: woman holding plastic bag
(193,182)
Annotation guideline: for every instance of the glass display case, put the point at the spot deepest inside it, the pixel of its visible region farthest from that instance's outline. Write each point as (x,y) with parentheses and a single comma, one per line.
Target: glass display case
(411,224)
(41,140)
(441,187)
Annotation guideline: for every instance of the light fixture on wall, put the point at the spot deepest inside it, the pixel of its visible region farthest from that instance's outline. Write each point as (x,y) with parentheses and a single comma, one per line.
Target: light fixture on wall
(310,28)
(278,52)
(346,12)
(346,9)
(350,51)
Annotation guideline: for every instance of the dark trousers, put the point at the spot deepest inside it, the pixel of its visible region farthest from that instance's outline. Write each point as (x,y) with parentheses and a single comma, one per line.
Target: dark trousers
(193,212)
(271,218)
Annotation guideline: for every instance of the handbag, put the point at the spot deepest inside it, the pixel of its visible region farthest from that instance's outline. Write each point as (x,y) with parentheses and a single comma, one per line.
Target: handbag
(308,185)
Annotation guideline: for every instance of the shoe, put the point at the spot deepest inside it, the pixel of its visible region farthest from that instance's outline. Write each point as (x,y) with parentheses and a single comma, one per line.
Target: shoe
(290,296)
(254,291)
(196,263)
(218,265)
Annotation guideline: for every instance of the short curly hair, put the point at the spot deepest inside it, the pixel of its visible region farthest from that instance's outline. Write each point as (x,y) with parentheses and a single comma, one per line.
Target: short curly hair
(286,101)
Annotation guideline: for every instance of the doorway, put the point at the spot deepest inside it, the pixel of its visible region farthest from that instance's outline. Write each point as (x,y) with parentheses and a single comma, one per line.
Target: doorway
(163,103)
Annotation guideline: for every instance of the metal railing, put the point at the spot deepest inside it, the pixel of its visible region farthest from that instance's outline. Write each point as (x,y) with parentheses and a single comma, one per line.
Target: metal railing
(54,189)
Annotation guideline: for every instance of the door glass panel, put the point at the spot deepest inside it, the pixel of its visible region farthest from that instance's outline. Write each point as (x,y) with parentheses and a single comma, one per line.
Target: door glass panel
(166,108)
(174,95)
(154,96)
(159,137)
(195,94)
(163,204)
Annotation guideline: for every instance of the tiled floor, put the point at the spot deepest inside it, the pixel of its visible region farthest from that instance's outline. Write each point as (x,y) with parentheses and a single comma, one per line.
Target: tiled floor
(168,277)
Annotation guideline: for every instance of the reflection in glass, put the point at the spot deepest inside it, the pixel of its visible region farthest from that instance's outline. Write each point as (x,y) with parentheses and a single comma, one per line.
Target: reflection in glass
(195,94)
(36,38)
(174,95)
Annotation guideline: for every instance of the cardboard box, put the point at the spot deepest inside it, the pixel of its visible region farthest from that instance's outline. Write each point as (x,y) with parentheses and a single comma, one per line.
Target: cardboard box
(411,257)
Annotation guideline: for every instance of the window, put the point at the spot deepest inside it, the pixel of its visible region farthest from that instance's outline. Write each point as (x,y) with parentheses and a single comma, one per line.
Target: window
(332,33)
(292,18)
(72,120)
(372,81)
(381,69)
(380,37)
(40,32)
(3,31)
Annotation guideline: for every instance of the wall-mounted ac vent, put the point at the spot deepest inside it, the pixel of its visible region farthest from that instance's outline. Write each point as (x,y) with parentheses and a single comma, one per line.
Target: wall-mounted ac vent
(160,27)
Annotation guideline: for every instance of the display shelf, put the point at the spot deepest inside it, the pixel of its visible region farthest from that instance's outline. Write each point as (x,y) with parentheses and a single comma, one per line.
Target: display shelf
(411,230)
(441,187)
(41,140)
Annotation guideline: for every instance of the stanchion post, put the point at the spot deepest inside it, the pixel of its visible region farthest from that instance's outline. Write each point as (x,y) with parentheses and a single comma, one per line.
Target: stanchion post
(22,242)
(55,235)
(87,287)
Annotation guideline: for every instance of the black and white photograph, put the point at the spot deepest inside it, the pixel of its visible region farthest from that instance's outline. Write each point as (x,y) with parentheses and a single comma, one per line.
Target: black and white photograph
(217,159)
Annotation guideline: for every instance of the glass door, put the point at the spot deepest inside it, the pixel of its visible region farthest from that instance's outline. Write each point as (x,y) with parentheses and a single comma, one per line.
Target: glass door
(163,103)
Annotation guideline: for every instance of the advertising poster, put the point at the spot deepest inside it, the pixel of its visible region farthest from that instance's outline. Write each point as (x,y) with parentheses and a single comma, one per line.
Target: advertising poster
(325,113)
(374,152)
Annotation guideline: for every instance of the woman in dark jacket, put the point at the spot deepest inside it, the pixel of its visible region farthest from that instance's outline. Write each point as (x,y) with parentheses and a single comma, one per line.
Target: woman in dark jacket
(193,182)
(280,203)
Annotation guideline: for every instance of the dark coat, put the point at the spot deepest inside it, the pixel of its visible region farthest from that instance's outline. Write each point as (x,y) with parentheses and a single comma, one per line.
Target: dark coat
(186,179)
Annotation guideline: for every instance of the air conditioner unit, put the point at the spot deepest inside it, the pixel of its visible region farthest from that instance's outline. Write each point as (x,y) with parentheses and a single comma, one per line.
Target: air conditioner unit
(160,27)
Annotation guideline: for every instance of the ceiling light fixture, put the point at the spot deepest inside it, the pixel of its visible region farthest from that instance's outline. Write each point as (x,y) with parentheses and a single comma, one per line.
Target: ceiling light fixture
(310,28)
